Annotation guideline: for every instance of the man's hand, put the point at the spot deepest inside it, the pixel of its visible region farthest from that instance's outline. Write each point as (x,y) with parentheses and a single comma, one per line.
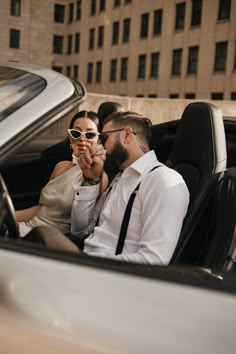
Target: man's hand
(92,161)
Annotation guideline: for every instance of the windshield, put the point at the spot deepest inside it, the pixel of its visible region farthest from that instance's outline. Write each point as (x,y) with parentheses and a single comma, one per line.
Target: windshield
(16,88)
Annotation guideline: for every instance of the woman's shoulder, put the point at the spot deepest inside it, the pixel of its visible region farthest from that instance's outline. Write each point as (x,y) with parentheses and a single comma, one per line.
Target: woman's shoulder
(64,164)
(61,167)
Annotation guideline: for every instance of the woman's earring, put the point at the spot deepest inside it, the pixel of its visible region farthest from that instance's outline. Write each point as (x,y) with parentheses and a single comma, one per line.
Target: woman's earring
(71,146)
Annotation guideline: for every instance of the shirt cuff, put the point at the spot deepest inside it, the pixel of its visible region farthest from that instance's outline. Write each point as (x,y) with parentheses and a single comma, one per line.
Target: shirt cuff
(86,192)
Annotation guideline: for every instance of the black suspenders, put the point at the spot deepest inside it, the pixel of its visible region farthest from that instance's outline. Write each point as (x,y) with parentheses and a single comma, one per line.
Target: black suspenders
(125,222)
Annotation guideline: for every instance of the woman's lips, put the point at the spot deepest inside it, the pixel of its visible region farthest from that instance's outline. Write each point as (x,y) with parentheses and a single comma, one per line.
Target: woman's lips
(81,147)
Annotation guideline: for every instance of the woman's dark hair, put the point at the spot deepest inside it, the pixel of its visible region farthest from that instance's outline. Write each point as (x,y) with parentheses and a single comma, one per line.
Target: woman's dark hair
(85,114)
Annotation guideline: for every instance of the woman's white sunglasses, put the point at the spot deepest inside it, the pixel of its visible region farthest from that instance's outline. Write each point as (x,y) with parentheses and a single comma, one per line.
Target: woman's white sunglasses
(77,134)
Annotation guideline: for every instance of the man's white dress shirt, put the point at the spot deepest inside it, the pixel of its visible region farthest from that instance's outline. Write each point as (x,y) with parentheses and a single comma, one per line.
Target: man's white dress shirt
(156,217)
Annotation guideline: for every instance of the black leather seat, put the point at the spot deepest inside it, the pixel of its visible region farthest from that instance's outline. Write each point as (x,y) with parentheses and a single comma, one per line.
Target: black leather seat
(218,250)
(106,108)
(199,154)
(200,146)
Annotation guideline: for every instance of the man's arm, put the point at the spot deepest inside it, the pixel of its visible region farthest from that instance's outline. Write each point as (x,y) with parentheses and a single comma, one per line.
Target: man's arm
(83,217)
(82,214)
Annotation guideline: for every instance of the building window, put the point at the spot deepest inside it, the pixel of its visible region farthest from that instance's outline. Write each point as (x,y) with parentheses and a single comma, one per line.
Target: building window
(102,5)
(190,96)
(115,32)
(224,9)
(192,59)
(57,68)
(152,95)
(93,7)
(77,42)
(71,12)
(68,71)
(78,10)
(76,72)
(141,66)
(176,61)
(220,56)
(15,7)
(113,70)
(180,15)
(100,36)
(174,95)
(99,71)
(91,38)
(157,24)
(14,38)
(126,30)
(233,96)
(144,25)
(69,44)
(59,13)
(90,73)
(196,12)
(124,69)
(58,44)
(154,65)
(217,96)
(128,2)
(116,3)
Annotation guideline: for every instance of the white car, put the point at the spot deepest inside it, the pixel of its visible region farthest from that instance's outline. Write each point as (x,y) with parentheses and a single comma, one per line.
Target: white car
(55,301)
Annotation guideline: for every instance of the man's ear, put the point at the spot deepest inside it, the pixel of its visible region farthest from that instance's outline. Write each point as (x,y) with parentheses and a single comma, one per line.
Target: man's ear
(128,135)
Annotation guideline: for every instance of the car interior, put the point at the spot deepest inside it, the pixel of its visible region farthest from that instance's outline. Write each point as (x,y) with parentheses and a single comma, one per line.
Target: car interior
(201,146)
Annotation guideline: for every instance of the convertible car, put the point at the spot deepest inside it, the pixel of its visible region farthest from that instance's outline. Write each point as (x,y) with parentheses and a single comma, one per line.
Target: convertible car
(53,300)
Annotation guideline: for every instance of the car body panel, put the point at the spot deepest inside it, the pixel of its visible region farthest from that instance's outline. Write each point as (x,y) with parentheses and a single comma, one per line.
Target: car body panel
(58,98)
(111,311)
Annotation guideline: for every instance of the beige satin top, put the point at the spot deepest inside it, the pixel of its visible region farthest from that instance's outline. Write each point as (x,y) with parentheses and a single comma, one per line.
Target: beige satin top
(55,202)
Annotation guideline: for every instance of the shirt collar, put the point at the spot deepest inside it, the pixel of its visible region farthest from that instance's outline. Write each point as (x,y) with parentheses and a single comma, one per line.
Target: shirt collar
(143,163)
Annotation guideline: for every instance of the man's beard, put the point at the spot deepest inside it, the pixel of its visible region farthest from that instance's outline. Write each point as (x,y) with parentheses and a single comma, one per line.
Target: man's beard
(115,159)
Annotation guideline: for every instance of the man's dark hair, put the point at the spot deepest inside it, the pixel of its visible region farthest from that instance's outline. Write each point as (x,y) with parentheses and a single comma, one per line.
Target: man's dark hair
(140,124)
(85,114)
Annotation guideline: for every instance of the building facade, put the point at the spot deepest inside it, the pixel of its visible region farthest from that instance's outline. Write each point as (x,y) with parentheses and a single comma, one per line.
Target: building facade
(142,48)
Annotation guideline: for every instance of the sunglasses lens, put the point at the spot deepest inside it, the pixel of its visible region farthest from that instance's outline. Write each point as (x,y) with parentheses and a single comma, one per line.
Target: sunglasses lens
(90,135)
(75,134)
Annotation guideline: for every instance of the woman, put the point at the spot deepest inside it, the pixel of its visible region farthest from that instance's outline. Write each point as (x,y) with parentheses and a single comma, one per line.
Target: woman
(56,197)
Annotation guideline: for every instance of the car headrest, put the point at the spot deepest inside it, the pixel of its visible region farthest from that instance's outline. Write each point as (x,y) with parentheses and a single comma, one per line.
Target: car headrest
(200,146)
(106,108)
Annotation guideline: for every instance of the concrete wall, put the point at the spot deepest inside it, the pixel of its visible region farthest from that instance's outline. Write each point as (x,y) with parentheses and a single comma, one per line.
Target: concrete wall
(158,110)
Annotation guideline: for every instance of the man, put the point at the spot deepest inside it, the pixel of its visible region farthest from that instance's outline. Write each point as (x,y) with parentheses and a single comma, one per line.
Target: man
(159,206)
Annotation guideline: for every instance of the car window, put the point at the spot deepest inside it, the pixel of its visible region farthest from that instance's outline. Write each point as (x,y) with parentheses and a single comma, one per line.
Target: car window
(16,88)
